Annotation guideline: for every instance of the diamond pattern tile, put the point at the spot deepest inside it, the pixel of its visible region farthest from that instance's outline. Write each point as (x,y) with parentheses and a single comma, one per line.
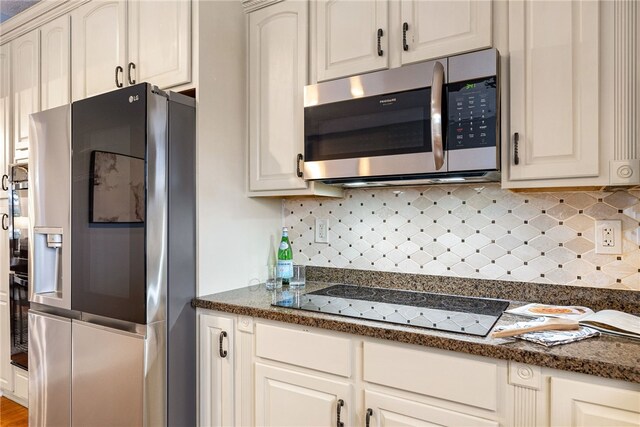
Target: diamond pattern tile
(471,231)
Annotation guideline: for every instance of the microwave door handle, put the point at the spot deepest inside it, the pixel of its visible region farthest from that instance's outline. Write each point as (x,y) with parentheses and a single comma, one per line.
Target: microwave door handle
(437,85)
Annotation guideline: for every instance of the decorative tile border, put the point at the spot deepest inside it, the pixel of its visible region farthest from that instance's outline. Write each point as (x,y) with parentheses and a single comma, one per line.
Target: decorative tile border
(476,231)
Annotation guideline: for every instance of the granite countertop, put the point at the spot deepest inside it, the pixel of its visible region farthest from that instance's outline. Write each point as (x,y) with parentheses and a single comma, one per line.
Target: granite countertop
(605,356)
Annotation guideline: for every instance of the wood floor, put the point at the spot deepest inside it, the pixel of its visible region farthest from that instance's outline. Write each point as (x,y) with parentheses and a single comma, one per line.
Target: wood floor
(12,414)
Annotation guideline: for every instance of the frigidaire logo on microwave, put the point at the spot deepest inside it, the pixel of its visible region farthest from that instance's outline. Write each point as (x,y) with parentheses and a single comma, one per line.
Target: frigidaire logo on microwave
(387,101)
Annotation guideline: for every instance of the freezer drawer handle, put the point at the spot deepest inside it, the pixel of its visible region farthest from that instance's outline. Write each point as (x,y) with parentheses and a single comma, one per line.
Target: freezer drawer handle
(4,222)
(223,353)
(368,417)
(339,409)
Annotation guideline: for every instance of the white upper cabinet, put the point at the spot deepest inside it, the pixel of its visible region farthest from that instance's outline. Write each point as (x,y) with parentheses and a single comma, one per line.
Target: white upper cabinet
(55,63)
(25,88)
(554,96)
(277,75)
(355,37)
(432,29)
(119,43)
(99,47)
(278,72)
(159,42)
(352,37)
(5,112)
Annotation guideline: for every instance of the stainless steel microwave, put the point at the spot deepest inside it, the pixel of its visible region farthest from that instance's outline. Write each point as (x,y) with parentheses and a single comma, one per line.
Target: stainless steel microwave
(430,121)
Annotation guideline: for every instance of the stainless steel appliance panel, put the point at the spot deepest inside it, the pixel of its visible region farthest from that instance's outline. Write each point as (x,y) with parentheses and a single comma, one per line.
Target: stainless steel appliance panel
(156,206)
(50,205)
(50,370)
(400,79)
(181,316)
(107,376)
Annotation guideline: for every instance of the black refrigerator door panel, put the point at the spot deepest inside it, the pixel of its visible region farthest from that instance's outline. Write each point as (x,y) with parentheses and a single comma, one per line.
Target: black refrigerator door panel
(109,192)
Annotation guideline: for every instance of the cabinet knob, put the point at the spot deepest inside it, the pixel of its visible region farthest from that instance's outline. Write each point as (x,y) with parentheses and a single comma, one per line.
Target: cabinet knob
(223,353)
(121,71)
(380,34)
(298,160)
(339,409)
(516,140)
(130,67)
(5,185)
(405,28)
(367,419)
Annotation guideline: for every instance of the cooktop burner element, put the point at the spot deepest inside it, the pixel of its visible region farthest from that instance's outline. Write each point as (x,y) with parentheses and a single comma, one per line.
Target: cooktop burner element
(475,316)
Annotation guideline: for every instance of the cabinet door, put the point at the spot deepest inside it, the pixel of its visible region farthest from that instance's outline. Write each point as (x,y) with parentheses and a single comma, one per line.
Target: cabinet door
(289,398)
(347,37)
(277,75)
(5,112)
(442,27)
(98,46)
(6,373)
(216,371)
(553,50)
(24,74)
(394,411)
(159,35)
(581,404)
(54,63)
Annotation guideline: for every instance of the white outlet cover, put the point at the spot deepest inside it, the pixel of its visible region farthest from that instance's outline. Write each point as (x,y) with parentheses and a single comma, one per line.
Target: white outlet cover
(616,226)
(322,230)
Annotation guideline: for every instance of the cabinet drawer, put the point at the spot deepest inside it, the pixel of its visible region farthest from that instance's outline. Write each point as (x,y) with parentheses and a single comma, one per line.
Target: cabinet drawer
(432,374)
(311,350)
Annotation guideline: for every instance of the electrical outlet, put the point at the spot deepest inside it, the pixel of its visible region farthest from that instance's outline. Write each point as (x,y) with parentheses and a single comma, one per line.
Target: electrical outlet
(609,237)
(322,230)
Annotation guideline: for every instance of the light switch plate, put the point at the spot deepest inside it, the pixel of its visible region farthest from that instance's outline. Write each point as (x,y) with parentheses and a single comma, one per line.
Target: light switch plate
(609,237)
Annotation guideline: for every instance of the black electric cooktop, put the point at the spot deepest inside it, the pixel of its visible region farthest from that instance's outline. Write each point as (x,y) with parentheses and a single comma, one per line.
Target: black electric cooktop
(474,316)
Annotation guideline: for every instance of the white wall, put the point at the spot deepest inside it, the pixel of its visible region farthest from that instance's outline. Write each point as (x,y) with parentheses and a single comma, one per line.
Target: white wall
(235,233)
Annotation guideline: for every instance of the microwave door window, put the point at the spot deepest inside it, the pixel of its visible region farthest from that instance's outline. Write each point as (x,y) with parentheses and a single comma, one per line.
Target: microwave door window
(396,123)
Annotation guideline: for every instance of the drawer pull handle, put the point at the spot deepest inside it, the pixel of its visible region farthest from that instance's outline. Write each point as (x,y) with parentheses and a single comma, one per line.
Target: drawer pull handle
(516,140)
(368,417)
(4,222)
(380,34)
(5,185)
(405,28)
(339,409)
(223,353)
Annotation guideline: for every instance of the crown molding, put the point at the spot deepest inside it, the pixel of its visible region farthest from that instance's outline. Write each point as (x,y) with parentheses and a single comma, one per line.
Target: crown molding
(38,14)
(251,5)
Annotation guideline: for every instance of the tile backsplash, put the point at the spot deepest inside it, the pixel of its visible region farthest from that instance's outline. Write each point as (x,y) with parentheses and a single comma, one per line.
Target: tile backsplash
(478,231)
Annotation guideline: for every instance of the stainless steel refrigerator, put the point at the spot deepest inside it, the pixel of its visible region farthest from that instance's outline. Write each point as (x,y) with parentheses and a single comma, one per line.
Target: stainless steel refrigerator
(111,327)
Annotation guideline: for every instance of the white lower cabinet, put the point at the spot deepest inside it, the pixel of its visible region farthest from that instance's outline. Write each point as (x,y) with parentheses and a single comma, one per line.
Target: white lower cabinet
(385,410)
(291,375)
(216,370)
(582,404)
(286,397)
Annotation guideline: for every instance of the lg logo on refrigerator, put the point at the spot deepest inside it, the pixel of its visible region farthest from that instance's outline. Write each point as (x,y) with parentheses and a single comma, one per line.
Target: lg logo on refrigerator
(133,98)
